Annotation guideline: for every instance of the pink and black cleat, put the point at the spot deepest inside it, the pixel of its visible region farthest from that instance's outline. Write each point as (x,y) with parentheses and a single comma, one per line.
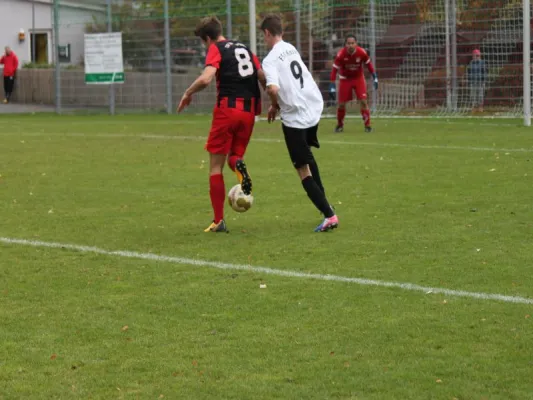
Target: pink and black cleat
(328,224)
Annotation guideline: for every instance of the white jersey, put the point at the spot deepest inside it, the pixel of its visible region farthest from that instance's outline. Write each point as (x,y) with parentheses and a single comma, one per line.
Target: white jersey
(299,98)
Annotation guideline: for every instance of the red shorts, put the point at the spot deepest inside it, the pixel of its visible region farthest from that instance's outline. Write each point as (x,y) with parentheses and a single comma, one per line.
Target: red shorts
(349,85)
(230,132)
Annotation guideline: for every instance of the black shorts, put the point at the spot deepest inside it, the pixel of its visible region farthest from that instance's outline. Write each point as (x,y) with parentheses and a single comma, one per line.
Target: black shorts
(299,142)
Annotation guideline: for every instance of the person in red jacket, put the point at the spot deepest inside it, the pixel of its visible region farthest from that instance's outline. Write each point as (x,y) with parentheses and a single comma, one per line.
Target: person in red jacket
(349,63)
(11,63)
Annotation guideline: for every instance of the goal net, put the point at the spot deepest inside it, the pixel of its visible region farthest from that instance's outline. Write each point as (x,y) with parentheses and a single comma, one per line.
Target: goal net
(423,51)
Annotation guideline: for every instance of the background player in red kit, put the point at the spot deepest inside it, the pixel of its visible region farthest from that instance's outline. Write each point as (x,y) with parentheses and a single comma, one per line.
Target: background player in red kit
(349,63)
(237,71)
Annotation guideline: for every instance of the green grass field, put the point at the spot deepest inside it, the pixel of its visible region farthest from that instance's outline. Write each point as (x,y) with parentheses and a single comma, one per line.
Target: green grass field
(444,204)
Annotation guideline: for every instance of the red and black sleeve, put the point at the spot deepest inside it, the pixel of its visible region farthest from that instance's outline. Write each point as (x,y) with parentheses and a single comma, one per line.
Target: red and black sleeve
(213,57)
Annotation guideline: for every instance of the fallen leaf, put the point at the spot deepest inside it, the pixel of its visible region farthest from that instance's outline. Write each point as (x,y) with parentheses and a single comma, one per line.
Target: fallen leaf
(161,396)
(332,353)
(528,316)
(445,302)
(492,170)
(346,364)
(53,356)
(194,363)
(438,381)
(124,328)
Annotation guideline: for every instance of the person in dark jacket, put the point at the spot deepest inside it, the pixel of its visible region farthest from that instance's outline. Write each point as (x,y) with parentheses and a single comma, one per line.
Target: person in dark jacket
(477,76)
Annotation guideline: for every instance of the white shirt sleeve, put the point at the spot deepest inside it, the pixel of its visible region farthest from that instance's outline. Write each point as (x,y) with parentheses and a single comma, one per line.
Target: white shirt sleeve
(271,72)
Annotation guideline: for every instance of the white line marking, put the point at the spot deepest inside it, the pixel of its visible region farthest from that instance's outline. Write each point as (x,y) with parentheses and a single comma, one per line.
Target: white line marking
(267,140)
(269,271)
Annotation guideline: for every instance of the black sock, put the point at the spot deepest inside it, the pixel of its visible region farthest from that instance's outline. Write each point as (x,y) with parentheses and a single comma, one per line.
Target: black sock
(316,175)
(317,196)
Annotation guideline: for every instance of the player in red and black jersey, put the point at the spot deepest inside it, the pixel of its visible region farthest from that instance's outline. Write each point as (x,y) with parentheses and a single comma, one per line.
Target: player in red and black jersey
(238,72)
(349,63)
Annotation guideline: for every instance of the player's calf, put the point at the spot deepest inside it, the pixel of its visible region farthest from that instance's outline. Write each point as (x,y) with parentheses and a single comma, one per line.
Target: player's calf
(341,114)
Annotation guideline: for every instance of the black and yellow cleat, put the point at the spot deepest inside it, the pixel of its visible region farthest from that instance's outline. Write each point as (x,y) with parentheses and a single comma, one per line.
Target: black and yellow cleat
(244,178)
(220,227)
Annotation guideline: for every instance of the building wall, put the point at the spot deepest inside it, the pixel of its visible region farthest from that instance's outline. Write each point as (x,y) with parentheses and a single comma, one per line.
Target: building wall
(73,17)
(72,29)
(17,15)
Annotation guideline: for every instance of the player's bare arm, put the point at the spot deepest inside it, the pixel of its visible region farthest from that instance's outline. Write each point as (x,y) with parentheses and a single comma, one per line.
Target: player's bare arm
(272,91)
(198,85)
(261,77)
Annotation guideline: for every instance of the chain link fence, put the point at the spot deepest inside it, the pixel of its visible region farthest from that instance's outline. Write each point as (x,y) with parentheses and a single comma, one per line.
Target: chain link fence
(422,50)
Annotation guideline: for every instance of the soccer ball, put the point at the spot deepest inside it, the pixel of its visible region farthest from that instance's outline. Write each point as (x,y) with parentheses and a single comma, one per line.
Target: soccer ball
(238,200)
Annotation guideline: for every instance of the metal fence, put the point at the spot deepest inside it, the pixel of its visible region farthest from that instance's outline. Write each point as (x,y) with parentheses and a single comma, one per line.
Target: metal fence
(421,48)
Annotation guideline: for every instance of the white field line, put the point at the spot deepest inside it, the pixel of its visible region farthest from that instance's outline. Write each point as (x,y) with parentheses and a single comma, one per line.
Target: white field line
(468,120)
(268,271)
(269,140)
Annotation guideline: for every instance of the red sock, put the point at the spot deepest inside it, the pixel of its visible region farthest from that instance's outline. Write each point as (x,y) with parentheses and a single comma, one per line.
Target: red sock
(217,192)
(366,116)
(341,113)
(232,160)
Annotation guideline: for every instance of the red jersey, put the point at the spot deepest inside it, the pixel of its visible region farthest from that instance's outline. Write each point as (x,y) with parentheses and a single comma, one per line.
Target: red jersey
(11,63)
(236,75)
(350,66)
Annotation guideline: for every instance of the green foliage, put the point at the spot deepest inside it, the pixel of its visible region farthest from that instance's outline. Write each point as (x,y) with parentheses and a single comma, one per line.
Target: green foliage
(32,65)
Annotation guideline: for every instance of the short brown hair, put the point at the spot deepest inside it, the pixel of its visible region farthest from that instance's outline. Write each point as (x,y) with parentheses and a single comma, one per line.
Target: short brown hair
(208,27)
(272,23)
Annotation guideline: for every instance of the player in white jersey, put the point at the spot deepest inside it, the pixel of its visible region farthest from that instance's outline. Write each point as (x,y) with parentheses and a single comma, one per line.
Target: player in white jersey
(293,91)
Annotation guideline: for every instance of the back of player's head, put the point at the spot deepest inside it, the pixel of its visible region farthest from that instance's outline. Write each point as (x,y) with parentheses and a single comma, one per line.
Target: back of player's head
(273,24)
(208,27)
(349,37)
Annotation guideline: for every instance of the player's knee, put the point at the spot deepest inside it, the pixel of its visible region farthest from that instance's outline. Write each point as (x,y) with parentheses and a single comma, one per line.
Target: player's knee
(342,106)
(216,163)
(303,171)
